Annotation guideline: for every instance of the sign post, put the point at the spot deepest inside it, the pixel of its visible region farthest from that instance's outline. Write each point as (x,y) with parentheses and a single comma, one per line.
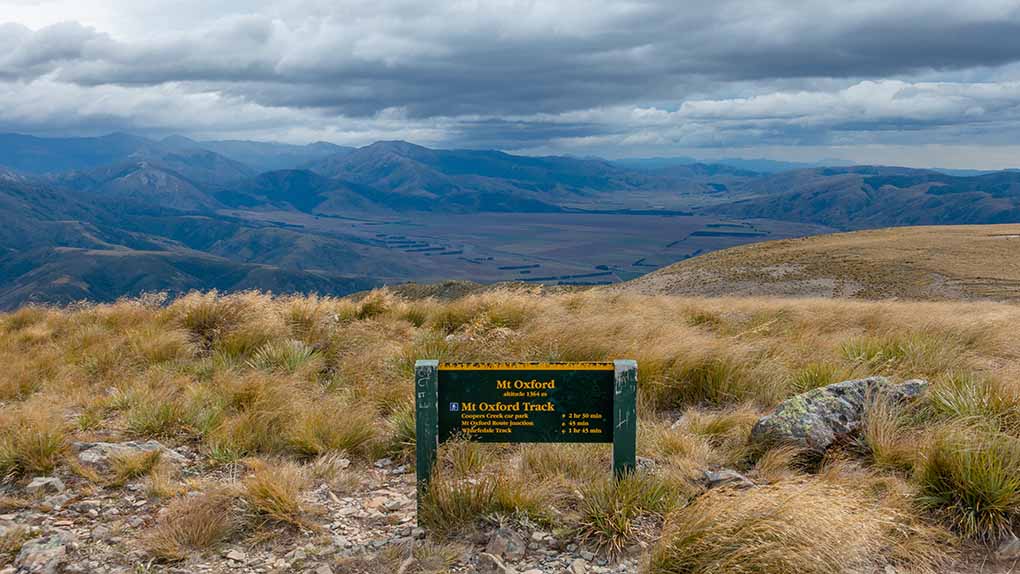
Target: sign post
(589,402)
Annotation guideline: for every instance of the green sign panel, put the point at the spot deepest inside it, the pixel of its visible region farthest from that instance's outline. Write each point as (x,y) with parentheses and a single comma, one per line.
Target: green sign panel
(540,403)
(592,402)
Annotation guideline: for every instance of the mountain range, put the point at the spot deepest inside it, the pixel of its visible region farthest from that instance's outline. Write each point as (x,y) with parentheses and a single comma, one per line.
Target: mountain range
(101,217)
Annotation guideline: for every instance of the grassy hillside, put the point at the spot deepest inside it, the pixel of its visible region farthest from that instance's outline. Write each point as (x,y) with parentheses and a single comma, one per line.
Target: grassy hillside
(267,398)
(932,263)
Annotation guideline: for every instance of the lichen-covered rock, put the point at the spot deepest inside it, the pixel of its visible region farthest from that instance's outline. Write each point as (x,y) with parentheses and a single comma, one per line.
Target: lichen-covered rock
(99,454)
(820,417)
(44,555)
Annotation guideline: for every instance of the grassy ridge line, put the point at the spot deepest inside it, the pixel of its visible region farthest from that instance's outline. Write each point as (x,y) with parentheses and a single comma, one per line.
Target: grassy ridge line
(254,378)
(918,263)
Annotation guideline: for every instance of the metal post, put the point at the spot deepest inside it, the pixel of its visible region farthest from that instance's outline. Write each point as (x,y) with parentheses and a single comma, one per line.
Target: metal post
(426,403)
(625,418)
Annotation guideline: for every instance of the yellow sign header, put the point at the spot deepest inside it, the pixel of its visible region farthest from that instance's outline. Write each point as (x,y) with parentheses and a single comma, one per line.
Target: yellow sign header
(574,366)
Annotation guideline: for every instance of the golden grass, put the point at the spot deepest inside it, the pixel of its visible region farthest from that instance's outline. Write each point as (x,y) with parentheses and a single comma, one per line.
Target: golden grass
(126,467)
(273,492)
(314,380)
(788,528)
(32,440)
(191,524)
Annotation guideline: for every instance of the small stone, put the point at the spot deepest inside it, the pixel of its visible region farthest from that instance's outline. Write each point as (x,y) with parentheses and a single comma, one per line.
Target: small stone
(45,485)
(507,543)
(101,532)
(490,564)
(323,569)
(538,536)
(235,555)
(533,571)
(727,477)
(889,569)
(383,462)
(578,566)
(587,555)
(1009,550)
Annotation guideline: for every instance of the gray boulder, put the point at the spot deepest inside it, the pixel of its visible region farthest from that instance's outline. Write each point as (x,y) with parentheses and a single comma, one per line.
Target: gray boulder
(44,555)
(820,417)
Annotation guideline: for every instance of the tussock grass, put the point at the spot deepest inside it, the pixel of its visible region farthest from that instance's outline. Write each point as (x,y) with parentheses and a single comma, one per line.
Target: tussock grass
(130,466)
(335,427)
(32,440)
(454,505)
(788,528)
(889,439)
(609,509)
(958,395)
(316,380)
(273,492)
(192,524)
(969,477)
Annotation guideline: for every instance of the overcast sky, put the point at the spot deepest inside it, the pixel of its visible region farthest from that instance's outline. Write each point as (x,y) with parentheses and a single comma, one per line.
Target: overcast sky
(911,82)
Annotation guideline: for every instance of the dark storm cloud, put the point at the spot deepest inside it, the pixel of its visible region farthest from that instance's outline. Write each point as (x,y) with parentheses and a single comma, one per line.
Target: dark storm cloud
(652,52)
(519,74)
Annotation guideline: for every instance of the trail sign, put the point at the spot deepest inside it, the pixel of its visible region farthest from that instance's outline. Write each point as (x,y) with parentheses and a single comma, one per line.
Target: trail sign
(591,402)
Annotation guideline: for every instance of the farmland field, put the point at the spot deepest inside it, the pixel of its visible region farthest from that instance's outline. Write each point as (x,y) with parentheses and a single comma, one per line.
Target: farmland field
(547,248)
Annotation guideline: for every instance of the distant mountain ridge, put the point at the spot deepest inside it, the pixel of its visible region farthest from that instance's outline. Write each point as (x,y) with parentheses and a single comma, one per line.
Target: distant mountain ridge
(869,197)
(114,215)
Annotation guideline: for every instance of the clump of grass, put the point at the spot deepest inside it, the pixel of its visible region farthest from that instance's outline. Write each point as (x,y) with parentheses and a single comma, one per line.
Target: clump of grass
(814,375)
(286,356)
(575,462)
(890,442)
(273,492)
(453,505)
(190,524)
(155,344)
(464,457)
(969,477)
(126,467)
(153,413)
(713,381)
(208,316)
(11,541)
(32,441)
(966,395)
(375,303)
(782,529)
(778,463)
(920,353)
(402,431)
(609,509)
(334,427)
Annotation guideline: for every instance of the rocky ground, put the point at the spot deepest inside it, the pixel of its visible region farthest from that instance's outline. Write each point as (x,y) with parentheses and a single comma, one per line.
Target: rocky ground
(72,525)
